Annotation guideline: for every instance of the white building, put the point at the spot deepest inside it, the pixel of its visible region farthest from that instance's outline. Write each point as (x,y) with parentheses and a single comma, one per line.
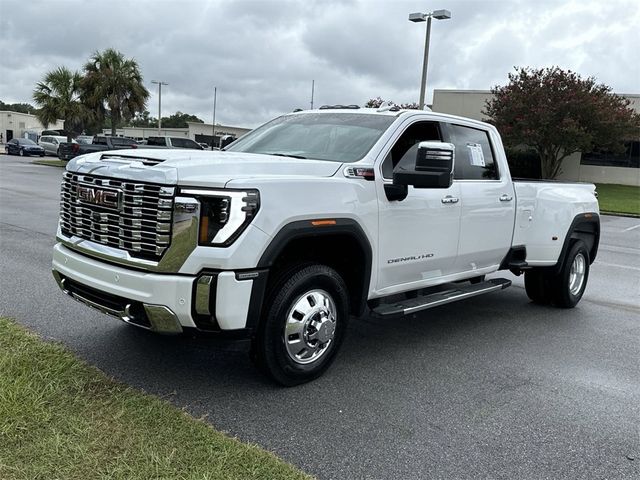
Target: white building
(620,169)
(200,132)
(18,125)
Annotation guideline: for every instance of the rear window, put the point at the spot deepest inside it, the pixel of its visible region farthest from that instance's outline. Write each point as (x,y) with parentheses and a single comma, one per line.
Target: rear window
(474,156)
(159,141)
(122,141)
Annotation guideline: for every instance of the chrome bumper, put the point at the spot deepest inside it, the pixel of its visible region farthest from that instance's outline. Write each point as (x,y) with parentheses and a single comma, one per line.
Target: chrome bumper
(157,318)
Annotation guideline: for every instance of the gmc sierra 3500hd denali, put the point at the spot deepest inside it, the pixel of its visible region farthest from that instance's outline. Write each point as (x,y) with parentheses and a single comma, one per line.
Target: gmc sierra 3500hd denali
(312,218)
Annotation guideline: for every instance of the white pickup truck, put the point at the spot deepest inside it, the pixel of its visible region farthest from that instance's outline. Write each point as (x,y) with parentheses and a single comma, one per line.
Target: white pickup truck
(313,218)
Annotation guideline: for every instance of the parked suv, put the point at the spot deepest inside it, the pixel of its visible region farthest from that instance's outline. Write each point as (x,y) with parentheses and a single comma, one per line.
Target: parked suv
(173,142)
(51,143)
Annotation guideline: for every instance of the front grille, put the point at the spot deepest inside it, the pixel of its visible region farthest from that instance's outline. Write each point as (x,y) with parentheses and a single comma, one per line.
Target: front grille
(140,223)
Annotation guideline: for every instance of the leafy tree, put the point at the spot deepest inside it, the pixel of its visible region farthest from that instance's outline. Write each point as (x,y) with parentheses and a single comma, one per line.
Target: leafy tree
(179,120)
(58,96)
(113,84)
(378,102)
(144,120)
(18,107)
(558,113)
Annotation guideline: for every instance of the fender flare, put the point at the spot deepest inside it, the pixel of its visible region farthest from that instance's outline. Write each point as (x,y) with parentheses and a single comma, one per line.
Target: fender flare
(306,229)
(583,224)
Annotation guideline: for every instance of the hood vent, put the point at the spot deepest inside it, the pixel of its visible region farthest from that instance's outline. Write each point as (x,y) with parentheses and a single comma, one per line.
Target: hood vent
(114,157)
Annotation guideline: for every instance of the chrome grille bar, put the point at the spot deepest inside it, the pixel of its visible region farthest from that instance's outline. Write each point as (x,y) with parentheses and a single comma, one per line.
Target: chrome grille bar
(142,227)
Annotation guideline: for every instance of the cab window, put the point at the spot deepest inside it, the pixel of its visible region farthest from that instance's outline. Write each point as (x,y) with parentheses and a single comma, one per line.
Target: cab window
(474,158)
(406,147)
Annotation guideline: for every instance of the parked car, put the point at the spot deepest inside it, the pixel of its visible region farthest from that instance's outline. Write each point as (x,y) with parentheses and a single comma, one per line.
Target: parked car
(99,143)
(314,218)
(51,143)
(86,139)
(173,142)
(23,146)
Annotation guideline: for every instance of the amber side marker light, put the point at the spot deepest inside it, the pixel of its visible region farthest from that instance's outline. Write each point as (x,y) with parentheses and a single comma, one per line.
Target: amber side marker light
(204,229)
(321,223)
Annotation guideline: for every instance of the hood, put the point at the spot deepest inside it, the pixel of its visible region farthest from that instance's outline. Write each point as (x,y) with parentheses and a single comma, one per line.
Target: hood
(197,168)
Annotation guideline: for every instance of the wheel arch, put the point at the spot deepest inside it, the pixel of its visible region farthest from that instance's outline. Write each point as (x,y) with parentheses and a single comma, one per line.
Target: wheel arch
(585,227)
(339,243)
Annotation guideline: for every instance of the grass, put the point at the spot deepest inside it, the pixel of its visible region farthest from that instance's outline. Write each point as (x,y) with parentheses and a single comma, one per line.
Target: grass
(51,163)
(61,418)
(623,199)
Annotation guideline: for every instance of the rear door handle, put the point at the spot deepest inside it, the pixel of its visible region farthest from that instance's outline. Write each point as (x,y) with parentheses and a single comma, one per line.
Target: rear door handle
(506,198)
(450,199)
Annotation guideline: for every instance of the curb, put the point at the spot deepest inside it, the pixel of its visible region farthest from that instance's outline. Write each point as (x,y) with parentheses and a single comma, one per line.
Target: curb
(618,214)
(46,164)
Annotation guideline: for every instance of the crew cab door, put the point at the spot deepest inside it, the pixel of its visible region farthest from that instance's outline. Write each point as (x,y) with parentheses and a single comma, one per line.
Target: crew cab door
(418,236)
(487,197)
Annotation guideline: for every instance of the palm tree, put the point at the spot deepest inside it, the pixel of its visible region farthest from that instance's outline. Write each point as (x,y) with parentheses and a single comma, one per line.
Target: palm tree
(113,84)
(58,96)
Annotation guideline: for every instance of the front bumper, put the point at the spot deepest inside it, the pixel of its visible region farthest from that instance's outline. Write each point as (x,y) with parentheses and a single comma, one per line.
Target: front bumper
(220,301)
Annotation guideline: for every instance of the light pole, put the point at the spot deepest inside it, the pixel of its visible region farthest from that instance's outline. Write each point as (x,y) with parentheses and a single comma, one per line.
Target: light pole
(421,17)
(159,83)
(213,137)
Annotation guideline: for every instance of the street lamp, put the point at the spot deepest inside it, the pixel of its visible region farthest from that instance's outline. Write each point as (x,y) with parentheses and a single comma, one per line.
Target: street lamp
(213,134)
(421,17)
(159,83)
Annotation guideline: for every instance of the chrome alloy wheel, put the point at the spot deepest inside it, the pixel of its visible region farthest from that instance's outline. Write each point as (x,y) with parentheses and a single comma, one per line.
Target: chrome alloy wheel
(577,274)
(310,327)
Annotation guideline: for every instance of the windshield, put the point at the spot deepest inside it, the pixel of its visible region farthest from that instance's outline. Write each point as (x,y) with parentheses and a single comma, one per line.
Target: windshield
(339,137)
(26,141)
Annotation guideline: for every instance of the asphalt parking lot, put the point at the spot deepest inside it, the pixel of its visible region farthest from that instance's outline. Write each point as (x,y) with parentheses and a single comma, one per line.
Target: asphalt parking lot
(493,387)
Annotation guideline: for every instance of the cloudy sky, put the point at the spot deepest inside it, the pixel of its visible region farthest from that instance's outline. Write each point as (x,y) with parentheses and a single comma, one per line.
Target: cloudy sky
(263,54)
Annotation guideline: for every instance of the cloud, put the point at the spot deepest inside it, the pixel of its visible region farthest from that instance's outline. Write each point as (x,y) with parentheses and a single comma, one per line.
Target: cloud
(263,55)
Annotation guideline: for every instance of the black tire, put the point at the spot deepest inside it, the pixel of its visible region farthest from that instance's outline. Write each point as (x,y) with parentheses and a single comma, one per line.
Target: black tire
(537,286)
(567,287)
(274,353)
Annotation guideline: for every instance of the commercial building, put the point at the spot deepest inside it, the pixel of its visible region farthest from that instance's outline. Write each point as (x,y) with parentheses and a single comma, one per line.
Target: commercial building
(622,169)
(200,132)
(20,125)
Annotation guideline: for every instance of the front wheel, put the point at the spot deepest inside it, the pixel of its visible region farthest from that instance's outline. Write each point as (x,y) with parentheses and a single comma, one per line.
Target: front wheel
(303,325)
(21,152)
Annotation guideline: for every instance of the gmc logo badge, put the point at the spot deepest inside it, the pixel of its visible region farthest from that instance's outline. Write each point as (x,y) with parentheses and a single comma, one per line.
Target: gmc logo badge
(98,196)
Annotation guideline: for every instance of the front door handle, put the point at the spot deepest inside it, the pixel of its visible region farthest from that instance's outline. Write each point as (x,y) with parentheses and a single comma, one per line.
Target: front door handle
(450,199)
(505,198)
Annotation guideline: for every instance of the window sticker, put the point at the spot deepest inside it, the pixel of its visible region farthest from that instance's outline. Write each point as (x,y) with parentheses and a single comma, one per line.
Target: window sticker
(476,157)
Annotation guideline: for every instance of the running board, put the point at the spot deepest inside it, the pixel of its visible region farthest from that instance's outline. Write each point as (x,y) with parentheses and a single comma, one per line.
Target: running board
(453,294)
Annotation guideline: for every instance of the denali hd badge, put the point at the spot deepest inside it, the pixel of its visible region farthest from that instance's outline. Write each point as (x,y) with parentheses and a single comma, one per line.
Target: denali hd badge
(99,196)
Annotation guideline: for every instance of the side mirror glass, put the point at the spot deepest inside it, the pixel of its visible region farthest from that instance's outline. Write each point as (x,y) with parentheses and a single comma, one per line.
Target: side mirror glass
(433,167)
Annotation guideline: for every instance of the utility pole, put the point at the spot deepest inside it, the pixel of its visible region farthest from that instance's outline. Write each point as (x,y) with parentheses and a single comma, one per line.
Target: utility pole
(159,83)
(313,84)
(213,138)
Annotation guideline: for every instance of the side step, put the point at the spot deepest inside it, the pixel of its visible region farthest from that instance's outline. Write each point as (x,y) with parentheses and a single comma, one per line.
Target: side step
(452,293)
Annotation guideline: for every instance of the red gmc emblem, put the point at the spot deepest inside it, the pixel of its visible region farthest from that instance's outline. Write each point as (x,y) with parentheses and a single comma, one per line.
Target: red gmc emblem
(98,196)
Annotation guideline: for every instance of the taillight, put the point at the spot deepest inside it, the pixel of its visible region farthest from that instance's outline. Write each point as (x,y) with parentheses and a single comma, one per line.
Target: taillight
(75,147)
(133,145)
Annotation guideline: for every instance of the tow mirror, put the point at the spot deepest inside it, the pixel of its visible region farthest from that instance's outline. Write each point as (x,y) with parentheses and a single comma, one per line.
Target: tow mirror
(433,167)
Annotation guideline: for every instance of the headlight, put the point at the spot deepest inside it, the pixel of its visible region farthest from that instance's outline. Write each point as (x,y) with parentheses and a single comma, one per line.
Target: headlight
(224,214)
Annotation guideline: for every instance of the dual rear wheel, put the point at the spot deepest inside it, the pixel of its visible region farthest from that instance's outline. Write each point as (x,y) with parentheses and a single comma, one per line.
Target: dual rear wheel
(564,287)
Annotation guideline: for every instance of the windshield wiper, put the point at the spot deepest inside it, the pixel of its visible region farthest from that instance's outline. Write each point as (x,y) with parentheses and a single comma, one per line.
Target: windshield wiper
(287,155)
